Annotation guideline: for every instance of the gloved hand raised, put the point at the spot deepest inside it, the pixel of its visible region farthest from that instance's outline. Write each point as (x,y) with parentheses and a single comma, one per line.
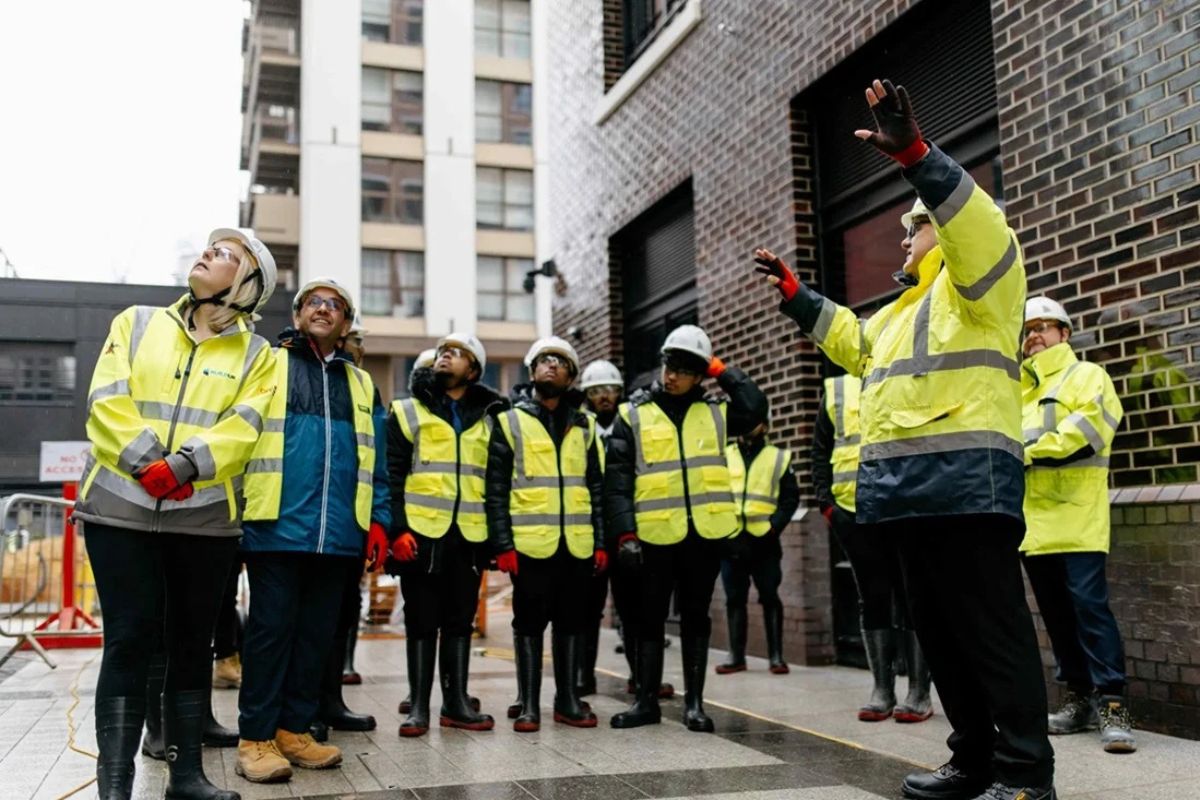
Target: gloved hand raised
(629,552)
(507,562)
(715,367)
(405,547)
(377,547)
(777,272)
(898,136)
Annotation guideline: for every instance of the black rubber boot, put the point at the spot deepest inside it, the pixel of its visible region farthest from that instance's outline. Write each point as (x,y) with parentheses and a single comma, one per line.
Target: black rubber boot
(586,682)
(529,683)
(421,655)
(183,727)
(648,677)
(332,710)
(735,617)
(917,706)
(406,704)
(568,653)
(694,652)
(773,626)
(215,734)
(454,662)
(152,743)
(514,708)
(880,645)
(118,729)
(350,676)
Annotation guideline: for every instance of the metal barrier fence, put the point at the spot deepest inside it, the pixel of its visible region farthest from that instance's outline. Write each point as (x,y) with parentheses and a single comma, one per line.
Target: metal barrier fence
(47,592)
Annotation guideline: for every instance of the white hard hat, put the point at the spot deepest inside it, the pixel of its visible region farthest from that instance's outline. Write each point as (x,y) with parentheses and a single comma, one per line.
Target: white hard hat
(467,341)
(556,346)
(425,359)
(918,210)
(600,373)
(689,339)
(326,283)
(262,257)
(1044,308)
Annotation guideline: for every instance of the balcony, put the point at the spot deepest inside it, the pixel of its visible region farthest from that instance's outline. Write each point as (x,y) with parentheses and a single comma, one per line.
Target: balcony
(275,218)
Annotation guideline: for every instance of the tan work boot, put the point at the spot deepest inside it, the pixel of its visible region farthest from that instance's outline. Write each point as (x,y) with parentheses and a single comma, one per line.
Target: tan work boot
(261,762)
(227,673)
(303,751)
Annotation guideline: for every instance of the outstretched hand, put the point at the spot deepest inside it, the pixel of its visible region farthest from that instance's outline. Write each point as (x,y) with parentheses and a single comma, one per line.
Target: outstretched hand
(777,272)
(897,135)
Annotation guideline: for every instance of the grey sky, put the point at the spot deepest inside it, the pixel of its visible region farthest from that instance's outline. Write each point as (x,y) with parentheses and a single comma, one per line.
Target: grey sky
(120,131)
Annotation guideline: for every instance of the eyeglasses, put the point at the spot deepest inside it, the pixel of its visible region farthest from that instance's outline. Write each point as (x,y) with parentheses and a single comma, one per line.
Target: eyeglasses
(454,352)
(221,254)
(915,226)
(316,302)
(1039,328)
(552,358)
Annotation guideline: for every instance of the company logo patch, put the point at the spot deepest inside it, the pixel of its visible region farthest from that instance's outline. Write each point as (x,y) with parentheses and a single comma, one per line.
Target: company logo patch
(218,373)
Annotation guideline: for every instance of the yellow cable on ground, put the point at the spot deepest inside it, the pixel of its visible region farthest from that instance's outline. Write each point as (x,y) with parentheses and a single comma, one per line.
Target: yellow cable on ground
(74,691)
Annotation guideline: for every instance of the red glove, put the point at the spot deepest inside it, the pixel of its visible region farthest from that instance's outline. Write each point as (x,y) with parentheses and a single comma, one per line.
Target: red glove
(157,479)
(601,562)
(777,272)
(898,136)
(715,367)
(405,547)
(377,546)
(181,493)
(827,513)
(507,562)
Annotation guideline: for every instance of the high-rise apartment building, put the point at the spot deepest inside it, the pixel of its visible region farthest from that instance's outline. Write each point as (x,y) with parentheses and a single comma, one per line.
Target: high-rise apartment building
(395,145)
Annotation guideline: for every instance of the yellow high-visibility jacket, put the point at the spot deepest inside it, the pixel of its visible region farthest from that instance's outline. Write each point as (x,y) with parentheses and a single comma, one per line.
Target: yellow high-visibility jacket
(841,404)
(756,490)
(156,392)
(941,393)
(1071,416)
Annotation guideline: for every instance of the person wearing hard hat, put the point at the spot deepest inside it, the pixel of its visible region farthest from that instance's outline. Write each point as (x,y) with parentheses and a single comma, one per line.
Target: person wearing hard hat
(545,525)
(874,560)
(316,491)
(670,507)
(941,465)
(437,454)
(1071,416)
(176,404)
(766,495)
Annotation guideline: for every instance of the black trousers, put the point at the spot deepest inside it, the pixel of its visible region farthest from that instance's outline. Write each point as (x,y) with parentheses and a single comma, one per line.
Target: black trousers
(158,591)
(350,609)
(551,590)
(1072,594)
(295,601)
(688,568)
(442,593)
(875,562)
(227,639)
(967,601)
(760,560)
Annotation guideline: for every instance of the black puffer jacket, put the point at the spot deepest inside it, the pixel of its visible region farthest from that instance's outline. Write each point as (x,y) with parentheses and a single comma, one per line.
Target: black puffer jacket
(747,408)
(478,401)
(567,415)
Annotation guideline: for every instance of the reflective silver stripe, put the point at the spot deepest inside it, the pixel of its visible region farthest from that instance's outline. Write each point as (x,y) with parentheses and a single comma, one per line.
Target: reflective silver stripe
(409,408)
(1091,461)
(365,476)
(824,320)
(1112,421)
(547,481)
(201,454)
(698,461)
(777,470)
(920,332)
(141,319)
(957,199)
(111,390)
(365,439)
(1049,415)
(758,518)
(635,425)
(551,519)
(845,477)
(706,498)
(187,415)
(943,443)
(663,466)
(129,491)
(1087,429)
(256,465)
(205,497)
(762,498)
(514,426)
(943,362)
(448,467)
(839,402)
(272,425)
(443,504)
(144,448)
(1032,434)
(252,417)
(257,343)
(719,423)
(844,441)
(982,286)
(353,370)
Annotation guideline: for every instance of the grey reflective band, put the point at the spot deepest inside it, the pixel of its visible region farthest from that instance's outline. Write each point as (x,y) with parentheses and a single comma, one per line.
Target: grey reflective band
(259,465)
(111,390)
(982,286)
(408,407)
(1032,434)
(129,491)
(141,320)
(777,470)
(845,477)
(365,439)
(365,476)
(761,498)
(943,443)
(846,441)
(1049,415)
(1109,419)
(956,201)
(448,467)
(719,424)
(824,320)
(353,370)
(700,461)
(924,364)
(667,503)
(920,331)
(661,466)
(256,346)
(1090,461)
(144,448)
(1087,429)
(273,425)
(551,519)
(201,454)
(443,503)
(514,427)
(252,417)
(839,402)
(205,497)
(635,425)
(187,414)
(758,518)
(535,482)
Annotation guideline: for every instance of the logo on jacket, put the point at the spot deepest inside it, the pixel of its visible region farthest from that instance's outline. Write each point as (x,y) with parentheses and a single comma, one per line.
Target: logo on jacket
(220,373)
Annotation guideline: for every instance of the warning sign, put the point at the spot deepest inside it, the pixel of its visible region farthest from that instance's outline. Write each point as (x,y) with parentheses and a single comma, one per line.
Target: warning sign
(62,462)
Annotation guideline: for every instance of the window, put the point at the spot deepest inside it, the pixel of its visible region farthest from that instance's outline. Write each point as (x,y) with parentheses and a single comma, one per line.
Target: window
(504,198)
(502,28)
(37,373)
(392,191)
(393,283)
(641,21)
(501,294)
(504,375)
(394,21)
(392,101)
(503,112)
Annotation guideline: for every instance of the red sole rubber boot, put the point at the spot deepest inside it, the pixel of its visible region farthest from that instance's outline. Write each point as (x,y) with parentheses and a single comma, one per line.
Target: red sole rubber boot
(912,716)
(666,691)
(351,679)
(873,716)
(484,725)
(527,727)
(780,669)
(585,722)
(729,669)
(412,731)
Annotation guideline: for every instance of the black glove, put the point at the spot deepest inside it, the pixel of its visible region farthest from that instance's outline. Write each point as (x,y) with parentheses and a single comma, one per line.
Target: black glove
(897,135)
(629,554)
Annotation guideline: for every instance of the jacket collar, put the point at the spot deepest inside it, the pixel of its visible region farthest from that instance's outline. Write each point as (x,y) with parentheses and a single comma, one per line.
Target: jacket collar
(176,311)
(300,345)
(1040,366)
(476,401)
(572,399)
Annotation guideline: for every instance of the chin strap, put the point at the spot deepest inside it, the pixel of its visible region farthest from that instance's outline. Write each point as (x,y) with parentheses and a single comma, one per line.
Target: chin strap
(218,299)
(904,279)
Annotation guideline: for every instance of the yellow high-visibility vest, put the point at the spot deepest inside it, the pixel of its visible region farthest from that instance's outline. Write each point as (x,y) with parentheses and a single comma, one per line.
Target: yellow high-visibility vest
(446,480)
(156,391)
(549,497)
(661,494)
(264,473)
(841,403)
(1068,404)
(756,491)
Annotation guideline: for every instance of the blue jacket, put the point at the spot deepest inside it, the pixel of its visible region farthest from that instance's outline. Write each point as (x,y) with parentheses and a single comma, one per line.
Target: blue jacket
(316,511)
